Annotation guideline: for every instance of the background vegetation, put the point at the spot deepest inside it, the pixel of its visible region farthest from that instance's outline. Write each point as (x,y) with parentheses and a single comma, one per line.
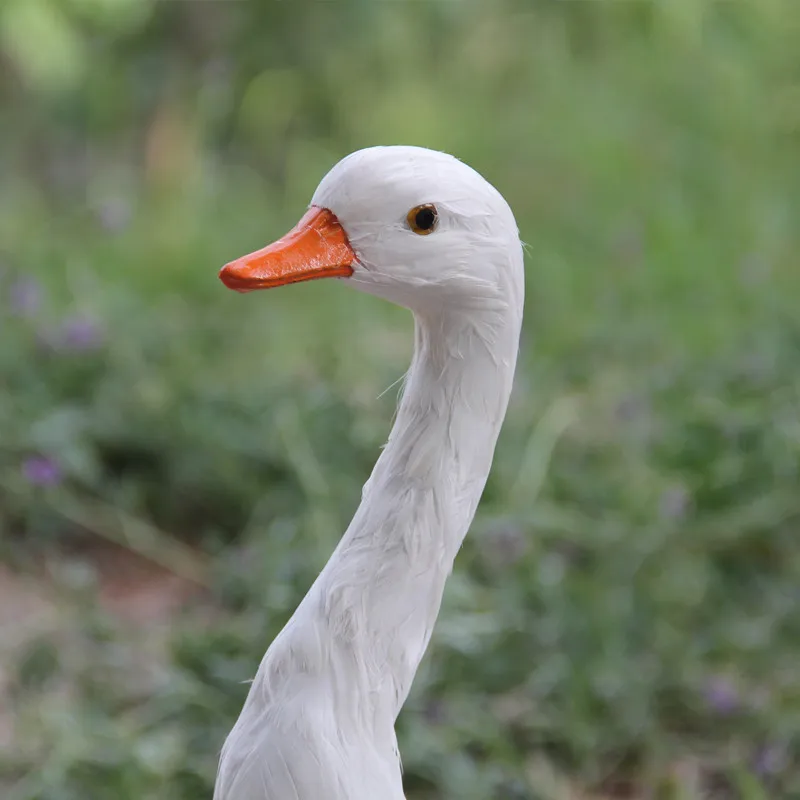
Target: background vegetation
(623,620)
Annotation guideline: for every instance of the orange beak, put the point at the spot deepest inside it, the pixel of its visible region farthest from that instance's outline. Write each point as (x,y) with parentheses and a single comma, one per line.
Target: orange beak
(316,247)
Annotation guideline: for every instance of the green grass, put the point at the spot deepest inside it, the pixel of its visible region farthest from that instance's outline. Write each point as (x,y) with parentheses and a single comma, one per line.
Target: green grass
(622,620)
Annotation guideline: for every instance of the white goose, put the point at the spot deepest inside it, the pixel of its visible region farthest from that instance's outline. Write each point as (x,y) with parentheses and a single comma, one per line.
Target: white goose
(421,229)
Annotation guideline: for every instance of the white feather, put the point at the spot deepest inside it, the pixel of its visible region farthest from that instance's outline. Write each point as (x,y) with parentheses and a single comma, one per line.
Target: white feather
(319,719)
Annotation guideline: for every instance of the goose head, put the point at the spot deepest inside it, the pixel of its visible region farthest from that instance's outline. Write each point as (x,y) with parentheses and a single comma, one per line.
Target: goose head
(417,227)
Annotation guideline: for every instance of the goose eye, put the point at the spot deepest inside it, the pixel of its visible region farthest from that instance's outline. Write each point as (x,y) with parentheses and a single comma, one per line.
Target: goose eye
(422,219)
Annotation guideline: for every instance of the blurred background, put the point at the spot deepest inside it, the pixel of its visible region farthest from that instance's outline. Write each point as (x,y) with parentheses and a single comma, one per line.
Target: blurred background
(177,462)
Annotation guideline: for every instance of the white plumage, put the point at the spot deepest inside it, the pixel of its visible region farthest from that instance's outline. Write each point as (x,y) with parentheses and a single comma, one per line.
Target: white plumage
(318,723)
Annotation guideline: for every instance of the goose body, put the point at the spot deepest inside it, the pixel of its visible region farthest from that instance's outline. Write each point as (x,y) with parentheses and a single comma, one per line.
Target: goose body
(423,230)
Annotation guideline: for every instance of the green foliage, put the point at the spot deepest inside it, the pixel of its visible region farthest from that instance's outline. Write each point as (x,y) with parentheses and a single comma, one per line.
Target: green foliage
(623,616)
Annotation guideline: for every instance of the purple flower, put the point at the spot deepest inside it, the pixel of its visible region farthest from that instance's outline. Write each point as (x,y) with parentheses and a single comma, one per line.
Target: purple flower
(24,297)
(631,407)
(674,503)
(722,695)
(505,545)
(435,712)
(771,759)
(114,214)
(41,471)
(80,333)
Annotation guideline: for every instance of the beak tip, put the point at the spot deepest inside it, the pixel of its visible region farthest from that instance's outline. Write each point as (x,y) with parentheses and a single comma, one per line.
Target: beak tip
(228,275)
(225,275)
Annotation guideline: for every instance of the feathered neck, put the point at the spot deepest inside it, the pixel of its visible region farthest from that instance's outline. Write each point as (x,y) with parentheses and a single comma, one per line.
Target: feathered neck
(381,591)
